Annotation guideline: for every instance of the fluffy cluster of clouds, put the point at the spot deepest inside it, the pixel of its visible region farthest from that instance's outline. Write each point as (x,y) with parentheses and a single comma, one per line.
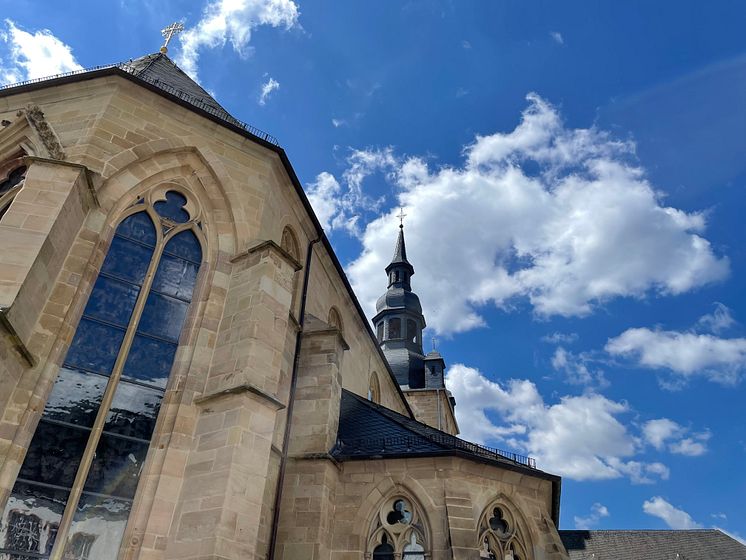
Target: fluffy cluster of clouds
(608,449)
(543,214)
(664,433)
(597,513)
(674,517)
(686,353)
(232,21)
(26,56)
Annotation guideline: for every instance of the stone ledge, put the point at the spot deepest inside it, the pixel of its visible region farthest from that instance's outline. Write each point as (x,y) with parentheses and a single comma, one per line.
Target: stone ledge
(17,342)
(268,244)
(237,390)
(86,172)
(326,331)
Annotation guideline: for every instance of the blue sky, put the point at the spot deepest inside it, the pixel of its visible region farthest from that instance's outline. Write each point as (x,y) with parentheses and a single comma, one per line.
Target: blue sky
(573,175)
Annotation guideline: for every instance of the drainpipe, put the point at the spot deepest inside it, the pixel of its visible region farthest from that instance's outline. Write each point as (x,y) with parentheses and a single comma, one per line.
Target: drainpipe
(291,401)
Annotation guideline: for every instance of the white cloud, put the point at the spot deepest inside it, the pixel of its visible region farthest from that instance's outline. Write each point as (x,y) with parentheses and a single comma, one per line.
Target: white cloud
(232,21)
(684,353)
(267,88)
(560,338)
(549,432)
(557,216)
(578,368)
(557,37)
(664,433)
(338,122)
(658,431)
(598,512)
(36,55)
(675,518)
(691,446)
(465,44)
(325,195)
(717,321)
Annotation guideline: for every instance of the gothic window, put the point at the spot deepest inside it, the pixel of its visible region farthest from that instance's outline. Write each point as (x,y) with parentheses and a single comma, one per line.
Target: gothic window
(394,328)
(501,536)
(12,175)
(85,459)
(289,243)
(398,531)
(411,331)
(374,389)
(335,319)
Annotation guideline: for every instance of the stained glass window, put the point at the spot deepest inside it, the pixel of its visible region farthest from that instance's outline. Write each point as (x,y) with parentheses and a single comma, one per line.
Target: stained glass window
(77,479)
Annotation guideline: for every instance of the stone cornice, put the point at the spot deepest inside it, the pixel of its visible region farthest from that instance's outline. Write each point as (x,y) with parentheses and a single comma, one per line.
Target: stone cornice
(28,160)
(268,244)
(239,389)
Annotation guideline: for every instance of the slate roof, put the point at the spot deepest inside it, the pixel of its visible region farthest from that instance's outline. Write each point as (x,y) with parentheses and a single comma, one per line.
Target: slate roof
(368,430)
(697,544)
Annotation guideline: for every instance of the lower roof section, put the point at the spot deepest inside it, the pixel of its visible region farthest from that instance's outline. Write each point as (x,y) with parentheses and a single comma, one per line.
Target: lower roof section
(694,544)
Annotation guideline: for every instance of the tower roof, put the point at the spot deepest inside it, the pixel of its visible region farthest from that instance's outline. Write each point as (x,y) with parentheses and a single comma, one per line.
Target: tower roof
(400,254)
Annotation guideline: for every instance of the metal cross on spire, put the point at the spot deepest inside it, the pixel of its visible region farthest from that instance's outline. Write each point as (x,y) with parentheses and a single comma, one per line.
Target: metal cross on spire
(169,32)
(401,217)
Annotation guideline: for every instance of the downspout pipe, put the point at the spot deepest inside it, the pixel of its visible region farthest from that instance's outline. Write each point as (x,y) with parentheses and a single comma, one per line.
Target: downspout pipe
(291,401)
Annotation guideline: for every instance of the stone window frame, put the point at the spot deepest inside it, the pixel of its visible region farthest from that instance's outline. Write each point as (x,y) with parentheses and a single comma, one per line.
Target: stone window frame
(334,319)
(289,243)
(10,165)
(165,230)
(374,388)
(505,539)
(399,535)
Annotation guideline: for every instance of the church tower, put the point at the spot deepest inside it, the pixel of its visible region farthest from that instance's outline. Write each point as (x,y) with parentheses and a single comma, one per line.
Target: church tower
(399,323)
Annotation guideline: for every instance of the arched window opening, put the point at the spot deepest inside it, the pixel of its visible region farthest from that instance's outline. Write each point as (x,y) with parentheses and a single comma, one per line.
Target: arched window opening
(399,531)
(379,331)
(394,328)
(290,243)
(12,176)
(335,320)
(374,388)
(501,536)
(83,466)
(411,331)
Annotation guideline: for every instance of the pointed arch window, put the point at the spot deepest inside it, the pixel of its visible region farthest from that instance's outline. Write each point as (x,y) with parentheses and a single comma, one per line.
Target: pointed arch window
(374,388)
(83,466)
(398,531)
(501,534)
(12,176)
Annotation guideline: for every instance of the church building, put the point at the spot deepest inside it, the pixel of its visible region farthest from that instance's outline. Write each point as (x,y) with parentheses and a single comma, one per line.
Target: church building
(186,373)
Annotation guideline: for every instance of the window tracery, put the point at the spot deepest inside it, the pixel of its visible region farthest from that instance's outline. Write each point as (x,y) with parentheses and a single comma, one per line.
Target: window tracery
(501,536)
(398,531)
(83,466)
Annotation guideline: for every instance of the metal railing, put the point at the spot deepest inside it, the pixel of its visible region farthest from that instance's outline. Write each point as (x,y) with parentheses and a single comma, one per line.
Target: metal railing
(410,443)
(218,112)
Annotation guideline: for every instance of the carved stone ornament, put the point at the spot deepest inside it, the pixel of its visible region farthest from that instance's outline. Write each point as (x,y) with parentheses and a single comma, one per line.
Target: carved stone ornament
(35,117)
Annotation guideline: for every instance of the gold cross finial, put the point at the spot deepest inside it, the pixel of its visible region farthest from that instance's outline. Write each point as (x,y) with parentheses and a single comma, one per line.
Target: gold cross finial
(401,217)
(169,32)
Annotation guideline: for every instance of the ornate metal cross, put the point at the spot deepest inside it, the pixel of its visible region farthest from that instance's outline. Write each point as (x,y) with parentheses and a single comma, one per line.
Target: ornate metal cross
(169,32)
(401,217)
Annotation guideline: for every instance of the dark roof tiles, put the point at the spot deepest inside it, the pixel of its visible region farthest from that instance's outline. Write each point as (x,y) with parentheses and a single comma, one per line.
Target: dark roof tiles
(697,544)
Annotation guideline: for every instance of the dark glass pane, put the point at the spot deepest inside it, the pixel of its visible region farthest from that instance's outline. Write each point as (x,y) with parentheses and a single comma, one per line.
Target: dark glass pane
(176,277)
(31,518)
(163,316)
(133,411)
(95,347)
(54,454)
(173,207)
(116,467)
(75,397)
(185,245)
(112,301)
(127,260)
(383,552)
(14,177)
(139,227)
(394,328)
(97,528)
(150,361)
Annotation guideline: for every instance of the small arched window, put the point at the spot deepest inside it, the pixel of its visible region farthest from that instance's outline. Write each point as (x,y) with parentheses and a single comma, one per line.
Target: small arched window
(399,531)
(394,328)
(501,535)
(290,243)
(374,388)
(411,331)
(84,463)
(12,176)
(335,320)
